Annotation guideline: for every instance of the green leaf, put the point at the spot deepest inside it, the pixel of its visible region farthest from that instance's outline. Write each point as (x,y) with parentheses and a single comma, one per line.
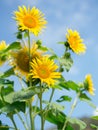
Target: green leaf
(84,96)
(10,108)
(69,127)
(81,124)
(57,117)
(43,48)
(54,105)
(1,103)
(95,117)
(6,82)
(3,92)
(6,90)
(8,73)
(13,46)
(64,98)
(53,57)
(66,61)
(21,95)
(94,126)
(72,85)
(62,83)
(89,102)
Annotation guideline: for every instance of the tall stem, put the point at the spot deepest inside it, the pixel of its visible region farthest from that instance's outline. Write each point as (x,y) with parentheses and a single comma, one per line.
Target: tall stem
(30,84)
(51,96)
(41,108)
(71,111)
(11,117)
(24,124)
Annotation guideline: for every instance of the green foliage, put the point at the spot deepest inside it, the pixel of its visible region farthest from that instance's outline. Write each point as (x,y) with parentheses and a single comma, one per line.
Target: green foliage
(8,73)
(66,61)
(64,98)
(13,46)
(72,85)
(94,127)
(30,99)
(90,103)
(95,117)
(52,117)
(21,95)
(11,108)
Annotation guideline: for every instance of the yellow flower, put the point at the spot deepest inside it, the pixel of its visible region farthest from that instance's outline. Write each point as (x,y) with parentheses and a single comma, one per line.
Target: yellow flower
(45,70)
(3,46)
(89,82)
(75,42)
(20,59)
(30,19)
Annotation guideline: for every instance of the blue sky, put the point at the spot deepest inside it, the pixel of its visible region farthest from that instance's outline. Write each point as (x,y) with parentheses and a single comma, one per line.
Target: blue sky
(62,14)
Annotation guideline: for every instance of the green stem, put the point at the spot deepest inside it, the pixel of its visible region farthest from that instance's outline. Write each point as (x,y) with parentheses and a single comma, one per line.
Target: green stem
(7,127)
(24,124)
(31,116)
(71,111)
(51,96)
(12,119)
(30,84)
(41,109)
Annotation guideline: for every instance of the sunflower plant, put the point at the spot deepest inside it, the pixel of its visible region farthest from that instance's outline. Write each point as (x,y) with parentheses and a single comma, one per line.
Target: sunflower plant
(39,71)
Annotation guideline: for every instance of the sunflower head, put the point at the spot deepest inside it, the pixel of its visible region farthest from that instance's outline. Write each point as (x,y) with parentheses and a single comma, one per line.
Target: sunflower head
(30,19)
(89,84)
(45,70)
(20,59)
(3,46)
(75,42)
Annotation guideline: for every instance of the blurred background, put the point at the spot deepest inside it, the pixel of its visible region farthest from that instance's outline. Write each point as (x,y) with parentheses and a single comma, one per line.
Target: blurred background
(61,15)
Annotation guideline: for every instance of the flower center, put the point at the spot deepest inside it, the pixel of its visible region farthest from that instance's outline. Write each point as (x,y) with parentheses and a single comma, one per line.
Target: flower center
(43,71)
(29,21)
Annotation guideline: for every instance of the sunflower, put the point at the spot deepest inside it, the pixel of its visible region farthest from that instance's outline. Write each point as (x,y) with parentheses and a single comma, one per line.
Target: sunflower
(45,70)
(3,46)
(89,82)
(75,42)
(20,59)
(30,19)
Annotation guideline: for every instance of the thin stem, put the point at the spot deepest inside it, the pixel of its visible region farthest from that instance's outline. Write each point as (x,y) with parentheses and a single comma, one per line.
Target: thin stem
(7,127)
(12,119)
(47,107)
(71,111)
(41,109)
(24,124)
(31,117)
(30,84)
